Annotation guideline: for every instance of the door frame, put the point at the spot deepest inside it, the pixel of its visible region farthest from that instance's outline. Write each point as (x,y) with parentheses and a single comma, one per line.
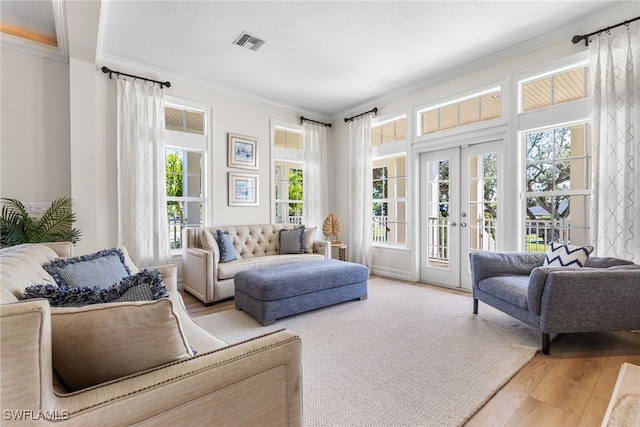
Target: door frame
(464,147)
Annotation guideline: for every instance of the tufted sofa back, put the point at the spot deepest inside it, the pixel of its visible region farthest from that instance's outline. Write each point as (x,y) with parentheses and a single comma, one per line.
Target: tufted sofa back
(248,240)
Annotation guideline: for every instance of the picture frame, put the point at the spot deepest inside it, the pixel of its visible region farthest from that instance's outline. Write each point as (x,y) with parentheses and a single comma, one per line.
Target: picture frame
(242,152)
(243,189)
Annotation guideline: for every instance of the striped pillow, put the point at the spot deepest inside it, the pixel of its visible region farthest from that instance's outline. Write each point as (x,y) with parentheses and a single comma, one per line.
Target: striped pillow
(563,255)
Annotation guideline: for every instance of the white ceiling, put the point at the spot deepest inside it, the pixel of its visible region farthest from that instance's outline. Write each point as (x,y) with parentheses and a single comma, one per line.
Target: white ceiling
(328,57)
(325,56)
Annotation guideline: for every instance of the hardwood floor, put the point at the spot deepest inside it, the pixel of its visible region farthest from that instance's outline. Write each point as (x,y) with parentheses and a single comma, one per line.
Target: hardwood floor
(570,387)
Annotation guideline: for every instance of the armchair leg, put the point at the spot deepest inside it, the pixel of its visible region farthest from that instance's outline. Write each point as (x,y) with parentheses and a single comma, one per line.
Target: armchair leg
(546,343)
(475,306)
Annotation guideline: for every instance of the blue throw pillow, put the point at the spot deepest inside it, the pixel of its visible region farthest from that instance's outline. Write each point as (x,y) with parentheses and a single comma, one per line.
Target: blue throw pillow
(227,252)
(292,241)
(147,285)
(101,269)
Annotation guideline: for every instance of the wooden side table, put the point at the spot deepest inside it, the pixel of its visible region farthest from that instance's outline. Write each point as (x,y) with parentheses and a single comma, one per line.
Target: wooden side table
(342,251)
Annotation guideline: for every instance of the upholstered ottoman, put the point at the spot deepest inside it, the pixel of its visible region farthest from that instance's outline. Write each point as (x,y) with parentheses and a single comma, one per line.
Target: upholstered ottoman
(272,293)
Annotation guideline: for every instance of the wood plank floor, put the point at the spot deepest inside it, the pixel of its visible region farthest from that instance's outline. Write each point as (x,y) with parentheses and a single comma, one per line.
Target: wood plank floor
(570,387)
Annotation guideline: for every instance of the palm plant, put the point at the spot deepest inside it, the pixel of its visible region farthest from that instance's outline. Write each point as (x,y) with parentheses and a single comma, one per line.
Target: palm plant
(55,225)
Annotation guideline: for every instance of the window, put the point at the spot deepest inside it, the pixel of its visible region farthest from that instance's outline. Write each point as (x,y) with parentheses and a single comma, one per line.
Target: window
(389,190)
(389,200)
(555,89)
(473,109)
(557,186)
(185,166)
(288,149)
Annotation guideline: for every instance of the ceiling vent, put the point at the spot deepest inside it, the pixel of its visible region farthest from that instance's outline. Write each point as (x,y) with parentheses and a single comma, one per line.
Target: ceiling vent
(250,42)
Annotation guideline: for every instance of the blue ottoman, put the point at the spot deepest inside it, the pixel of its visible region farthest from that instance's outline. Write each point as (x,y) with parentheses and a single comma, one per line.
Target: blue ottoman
(272,293)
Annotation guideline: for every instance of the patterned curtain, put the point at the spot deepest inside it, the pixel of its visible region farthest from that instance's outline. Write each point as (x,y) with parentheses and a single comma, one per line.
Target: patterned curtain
(315,197)
(142,192)
(360,187)
(615,88)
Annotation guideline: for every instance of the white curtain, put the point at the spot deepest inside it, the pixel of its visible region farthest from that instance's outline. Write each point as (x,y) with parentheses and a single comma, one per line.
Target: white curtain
(315,197)
(142,205)
(615,86)
(360,185)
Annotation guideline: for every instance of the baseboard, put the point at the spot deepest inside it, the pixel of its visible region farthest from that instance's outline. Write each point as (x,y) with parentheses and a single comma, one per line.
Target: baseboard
(392,273)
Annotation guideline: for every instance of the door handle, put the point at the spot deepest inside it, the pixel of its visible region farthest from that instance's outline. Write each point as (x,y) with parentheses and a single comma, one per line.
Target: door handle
(453,224)
(463,224)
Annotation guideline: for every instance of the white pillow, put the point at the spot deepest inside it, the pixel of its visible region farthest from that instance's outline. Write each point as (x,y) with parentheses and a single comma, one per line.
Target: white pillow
(563,255)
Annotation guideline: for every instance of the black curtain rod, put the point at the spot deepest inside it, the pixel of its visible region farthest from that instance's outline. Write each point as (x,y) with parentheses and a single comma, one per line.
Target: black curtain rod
(304,119)
(576,39)
(374,111)
(118,73)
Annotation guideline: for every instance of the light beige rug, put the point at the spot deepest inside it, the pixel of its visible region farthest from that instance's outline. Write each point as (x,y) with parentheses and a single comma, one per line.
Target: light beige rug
(406,356)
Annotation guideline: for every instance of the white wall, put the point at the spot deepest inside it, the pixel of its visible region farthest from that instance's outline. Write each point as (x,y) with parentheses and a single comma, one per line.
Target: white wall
(35,163)
(403,262)
(46,154)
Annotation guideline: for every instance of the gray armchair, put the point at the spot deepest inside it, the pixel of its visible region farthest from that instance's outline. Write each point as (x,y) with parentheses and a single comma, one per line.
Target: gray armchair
(602,296)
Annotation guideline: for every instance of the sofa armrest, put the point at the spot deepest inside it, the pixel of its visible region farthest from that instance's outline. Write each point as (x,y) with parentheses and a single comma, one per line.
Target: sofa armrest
(489,264)
(537,281)
(199,272)
(169,276)
(322,247)
(255,382)
(26,375)
(591,299)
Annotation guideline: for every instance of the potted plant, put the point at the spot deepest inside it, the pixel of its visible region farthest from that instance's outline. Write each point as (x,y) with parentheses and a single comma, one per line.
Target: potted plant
(55,225)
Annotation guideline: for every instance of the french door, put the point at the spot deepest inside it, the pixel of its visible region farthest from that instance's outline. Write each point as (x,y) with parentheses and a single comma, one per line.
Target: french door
(460,210)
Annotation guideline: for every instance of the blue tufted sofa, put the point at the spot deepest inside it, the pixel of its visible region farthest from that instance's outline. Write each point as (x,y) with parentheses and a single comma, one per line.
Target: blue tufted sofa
(604,295)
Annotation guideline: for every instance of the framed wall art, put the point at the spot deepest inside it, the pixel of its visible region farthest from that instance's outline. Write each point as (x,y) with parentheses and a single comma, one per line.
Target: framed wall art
(243,152)
(243,189)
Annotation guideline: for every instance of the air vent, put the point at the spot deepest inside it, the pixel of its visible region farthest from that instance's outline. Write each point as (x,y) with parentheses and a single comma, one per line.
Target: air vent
(250,42)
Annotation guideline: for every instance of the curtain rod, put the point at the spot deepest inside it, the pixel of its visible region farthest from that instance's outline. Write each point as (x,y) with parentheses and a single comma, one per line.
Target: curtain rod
(118,73)
(304,119)
(577,38)
(374,110)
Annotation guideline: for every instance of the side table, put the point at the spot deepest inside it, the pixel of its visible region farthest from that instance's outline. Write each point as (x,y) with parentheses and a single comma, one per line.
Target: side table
(342,251)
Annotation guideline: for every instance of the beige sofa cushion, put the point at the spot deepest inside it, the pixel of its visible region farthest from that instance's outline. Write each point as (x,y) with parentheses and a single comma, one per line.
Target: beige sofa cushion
(228,270)
(103,342)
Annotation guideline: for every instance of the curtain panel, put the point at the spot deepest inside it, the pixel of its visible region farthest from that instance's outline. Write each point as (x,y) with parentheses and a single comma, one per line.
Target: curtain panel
(360,187)
(142,204)
(615,89)
(315,196)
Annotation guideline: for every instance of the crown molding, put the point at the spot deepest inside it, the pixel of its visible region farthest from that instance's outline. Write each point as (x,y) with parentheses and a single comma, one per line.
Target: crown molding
(58,53)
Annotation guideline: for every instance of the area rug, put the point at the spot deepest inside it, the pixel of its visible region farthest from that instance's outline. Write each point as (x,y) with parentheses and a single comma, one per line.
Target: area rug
(409,355)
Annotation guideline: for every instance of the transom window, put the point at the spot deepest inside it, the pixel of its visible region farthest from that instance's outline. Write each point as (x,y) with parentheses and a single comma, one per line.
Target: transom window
(465,111)
(555,89)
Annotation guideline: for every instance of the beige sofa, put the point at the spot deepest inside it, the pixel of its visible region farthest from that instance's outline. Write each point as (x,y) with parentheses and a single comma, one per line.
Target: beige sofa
(256,246)
(255,382)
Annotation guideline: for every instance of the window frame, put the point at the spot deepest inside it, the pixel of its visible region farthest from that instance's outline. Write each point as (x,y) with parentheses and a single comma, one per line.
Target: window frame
(190,142)
(566,114)
(388,150)
(289,156)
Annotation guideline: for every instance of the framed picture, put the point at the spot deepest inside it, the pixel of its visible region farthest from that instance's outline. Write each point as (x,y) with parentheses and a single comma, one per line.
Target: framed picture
(243,189)
(243,152)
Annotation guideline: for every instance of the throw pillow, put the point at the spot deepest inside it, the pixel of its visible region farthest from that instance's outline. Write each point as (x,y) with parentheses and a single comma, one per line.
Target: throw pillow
(291,241)
(309,235)
(562,255)
(227,252)
(101,269)
(147,285)
(99,343)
